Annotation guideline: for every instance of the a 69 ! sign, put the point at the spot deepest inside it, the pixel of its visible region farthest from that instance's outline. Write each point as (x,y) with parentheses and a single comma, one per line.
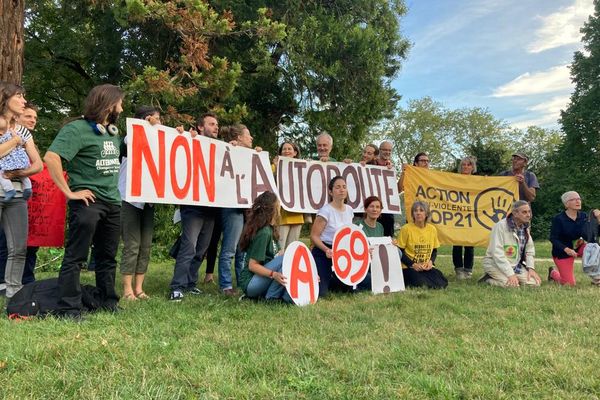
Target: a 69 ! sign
(350,256)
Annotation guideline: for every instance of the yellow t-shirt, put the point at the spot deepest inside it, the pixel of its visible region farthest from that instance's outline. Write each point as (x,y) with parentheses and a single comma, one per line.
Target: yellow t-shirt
(418,243)
(288,217)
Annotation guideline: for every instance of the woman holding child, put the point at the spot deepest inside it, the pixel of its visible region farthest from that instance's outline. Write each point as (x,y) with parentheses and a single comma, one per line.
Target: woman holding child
(13,206)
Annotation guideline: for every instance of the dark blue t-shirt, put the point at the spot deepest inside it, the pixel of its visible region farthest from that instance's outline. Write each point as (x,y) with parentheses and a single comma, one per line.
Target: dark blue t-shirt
(564,231)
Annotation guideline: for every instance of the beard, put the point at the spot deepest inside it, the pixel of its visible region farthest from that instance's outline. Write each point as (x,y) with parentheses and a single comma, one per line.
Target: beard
(113,116)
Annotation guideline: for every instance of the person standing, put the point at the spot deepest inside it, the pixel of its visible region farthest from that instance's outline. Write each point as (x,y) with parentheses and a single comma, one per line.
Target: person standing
(528,183)
(463,264)
(13,213)
(89,147)
(137,224)
(197,223)
(385,160)
(232,219)
(28,119)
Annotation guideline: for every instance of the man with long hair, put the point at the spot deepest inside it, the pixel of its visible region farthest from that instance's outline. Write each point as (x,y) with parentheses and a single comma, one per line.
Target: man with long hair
(89,146)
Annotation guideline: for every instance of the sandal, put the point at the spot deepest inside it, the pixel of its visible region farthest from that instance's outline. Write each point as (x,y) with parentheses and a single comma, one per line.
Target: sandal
(142,296)
(130,297)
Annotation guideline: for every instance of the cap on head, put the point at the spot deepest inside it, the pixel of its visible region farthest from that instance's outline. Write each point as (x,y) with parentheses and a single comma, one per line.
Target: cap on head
(521,154)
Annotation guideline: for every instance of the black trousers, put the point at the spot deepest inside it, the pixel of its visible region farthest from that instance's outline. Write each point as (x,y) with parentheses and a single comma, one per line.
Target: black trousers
(432,279)
(387,220)
(459,261)
(97,223)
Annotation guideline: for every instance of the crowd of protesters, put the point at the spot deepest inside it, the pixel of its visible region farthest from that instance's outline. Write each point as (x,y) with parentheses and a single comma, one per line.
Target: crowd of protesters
(93,154)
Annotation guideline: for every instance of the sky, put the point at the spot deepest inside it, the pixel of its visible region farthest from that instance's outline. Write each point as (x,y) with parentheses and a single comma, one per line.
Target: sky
(509,56)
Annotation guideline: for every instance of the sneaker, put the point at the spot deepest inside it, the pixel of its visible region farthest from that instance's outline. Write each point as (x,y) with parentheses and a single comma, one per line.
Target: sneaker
(460,274)
(176,296)
(468,274)
(230,292)
(194,291)
(242,297)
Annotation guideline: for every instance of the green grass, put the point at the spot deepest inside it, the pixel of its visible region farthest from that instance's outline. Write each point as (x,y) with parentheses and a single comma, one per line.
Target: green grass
(469,341)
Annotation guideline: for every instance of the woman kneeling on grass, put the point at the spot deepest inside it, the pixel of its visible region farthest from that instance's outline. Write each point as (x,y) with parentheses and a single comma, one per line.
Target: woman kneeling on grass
(261,276)
(418,242)
(568,226)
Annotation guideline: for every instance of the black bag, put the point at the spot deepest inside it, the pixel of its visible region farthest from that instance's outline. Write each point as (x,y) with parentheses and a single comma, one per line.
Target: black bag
(40,298)
(590,229)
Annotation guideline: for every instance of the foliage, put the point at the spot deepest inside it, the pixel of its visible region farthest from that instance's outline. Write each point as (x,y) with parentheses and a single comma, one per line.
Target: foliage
(463,342)
(293,67)
(447,135)
(575,165)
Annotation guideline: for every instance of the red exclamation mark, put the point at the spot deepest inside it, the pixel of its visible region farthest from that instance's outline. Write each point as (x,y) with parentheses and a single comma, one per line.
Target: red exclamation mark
(385,266)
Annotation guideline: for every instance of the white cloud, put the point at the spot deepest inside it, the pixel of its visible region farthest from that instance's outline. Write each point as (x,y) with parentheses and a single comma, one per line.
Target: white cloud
(544,114)
(469,13)
(562,27)
(552,80)
(552,106)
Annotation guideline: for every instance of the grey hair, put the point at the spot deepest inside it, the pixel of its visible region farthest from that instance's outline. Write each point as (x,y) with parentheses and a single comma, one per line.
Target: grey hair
(325,135)
(518,204)
(565,196)
(420,204)
(471,160)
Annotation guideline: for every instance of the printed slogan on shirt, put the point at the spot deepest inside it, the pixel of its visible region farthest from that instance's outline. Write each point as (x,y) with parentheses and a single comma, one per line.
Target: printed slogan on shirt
(464,208)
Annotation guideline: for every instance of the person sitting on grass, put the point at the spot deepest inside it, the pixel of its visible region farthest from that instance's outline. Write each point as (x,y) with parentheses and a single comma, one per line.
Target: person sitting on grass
(261,276)
(418,241)
(372,228)
(568,226)
(330,218)
(508,261)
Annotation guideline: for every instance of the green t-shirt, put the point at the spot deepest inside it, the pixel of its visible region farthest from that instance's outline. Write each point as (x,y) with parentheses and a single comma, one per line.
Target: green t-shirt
(92,161)
(262,248)
(371,232)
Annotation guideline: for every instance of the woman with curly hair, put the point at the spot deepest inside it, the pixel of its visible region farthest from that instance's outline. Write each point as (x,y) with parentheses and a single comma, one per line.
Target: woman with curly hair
(261,276)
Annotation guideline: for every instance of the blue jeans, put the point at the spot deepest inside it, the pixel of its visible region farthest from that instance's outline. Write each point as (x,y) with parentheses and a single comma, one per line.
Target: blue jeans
(232,220)
(196,230)
(267,288)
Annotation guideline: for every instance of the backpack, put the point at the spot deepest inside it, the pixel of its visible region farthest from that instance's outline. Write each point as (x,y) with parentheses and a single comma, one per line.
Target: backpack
(591,260)
(40,298)
(590,229)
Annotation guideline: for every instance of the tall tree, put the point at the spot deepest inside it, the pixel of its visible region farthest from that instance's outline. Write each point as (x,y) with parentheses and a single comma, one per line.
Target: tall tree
(11,40)
(576,163)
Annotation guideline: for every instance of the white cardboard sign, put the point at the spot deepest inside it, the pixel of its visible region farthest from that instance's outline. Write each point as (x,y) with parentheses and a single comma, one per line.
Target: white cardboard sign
(300,270)
(351,256)
(386,270)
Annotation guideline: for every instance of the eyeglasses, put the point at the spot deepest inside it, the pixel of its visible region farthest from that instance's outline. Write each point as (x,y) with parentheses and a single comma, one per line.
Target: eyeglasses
(575,199)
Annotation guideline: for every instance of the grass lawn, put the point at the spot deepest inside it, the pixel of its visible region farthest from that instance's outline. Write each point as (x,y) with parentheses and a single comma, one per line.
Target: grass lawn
(469,341)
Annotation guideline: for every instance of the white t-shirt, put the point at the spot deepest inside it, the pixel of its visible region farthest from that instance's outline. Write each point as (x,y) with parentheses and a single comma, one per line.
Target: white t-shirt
(335,219)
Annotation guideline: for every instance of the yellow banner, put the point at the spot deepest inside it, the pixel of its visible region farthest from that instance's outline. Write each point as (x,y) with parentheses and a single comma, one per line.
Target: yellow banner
(463,207)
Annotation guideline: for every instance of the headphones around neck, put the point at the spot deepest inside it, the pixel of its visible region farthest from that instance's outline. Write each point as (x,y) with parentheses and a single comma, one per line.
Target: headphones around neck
(100,129)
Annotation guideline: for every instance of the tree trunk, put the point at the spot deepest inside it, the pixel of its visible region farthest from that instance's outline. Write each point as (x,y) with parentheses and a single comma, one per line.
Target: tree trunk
(12,16)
